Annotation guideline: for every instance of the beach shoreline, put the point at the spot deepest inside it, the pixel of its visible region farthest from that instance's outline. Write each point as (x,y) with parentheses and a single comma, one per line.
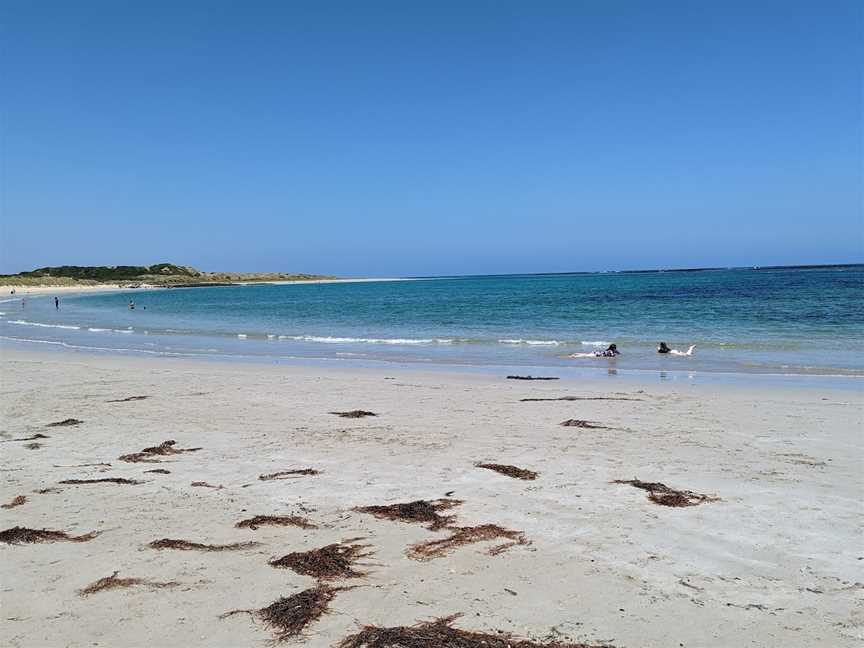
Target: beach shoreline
(22,290)
(771,562)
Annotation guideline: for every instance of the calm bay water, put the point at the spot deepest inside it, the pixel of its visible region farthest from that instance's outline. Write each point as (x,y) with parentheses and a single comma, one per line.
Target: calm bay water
(792,321)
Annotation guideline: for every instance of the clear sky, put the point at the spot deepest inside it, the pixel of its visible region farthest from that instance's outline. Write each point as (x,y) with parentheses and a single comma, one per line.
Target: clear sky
(438,137)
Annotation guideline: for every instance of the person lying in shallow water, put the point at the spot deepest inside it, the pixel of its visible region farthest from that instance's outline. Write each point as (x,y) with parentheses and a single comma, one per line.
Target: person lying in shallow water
(665,349)
(610,352)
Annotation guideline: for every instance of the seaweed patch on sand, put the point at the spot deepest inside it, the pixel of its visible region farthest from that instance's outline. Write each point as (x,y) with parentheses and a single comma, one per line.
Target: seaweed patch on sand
(532,377)
(33,446)
(327,563)
(467,535)
(354,414)
(23,535)
(664,496)
(112,582)
(159,471)
(588,425)
(149,455)
(288,616)
(275,520)
(30,438)
(440,633)
(185,545)
(127,399)
(16,501)
(510,471)
(418,512)
(579,398)
(65,423)
(103,480)
(203,484)
(288,474)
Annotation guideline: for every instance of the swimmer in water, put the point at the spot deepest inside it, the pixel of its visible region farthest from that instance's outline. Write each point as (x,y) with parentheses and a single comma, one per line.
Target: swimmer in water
(665,349)
(610,352)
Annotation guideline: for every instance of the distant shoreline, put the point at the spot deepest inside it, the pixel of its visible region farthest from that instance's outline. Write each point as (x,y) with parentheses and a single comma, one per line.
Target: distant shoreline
(22,290)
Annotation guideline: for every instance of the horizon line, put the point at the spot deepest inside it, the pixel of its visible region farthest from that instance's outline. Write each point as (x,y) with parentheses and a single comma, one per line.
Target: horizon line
(805,266)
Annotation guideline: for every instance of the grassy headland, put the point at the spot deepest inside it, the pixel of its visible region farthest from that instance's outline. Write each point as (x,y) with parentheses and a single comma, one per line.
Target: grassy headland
(161,274)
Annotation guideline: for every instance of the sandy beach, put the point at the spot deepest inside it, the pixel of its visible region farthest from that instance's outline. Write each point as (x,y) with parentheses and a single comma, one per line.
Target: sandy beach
(24,290)
(771,556)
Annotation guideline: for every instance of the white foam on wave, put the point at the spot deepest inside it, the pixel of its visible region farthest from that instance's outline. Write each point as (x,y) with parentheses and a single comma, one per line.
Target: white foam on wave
(60,326)
(93,348)
(530,342)
(594,343)
(352,340)
(241,336)
(270,336)
(129,330)
(98,330)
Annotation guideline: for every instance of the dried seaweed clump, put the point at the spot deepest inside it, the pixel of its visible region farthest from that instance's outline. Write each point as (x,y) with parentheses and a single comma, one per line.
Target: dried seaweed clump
(16,501)
(30,438)
(532,377)
(33,446)
(664,496)
(354,414)
(204,484)
(579,398)
(288,616)
(127,399)
(149,455)
(288,474)
(23,535)
(185,545)
(159,471)
(275,520)
(327,563)
(583,424)
(510,471)
(112,582)
(418,511)
(65,423)
(440,633)
(102,480)
(467,535)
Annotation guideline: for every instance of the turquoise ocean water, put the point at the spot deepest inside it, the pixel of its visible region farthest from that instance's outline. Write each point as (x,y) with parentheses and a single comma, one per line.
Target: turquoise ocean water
(792,321)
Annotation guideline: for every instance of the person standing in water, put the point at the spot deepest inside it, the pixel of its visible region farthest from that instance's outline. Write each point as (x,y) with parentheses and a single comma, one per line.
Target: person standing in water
(665,349)
(56,303)
(131,305)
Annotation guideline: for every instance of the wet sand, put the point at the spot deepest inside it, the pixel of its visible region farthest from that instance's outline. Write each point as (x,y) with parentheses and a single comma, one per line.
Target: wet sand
(775,560)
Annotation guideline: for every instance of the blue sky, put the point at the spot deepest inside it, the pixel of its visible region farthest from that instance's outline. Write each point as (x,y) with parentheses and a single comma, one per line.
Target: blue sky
(417,138)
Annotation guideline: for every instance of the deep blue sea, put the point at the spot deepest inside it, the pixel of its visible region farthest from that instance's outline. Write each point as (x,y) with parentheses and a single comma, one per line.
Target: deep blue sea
(743,321)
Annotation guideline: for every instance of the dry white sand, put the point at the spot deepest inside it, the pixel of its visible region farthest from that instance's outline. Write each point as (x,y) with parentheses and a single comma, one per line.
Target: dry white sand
(777,561)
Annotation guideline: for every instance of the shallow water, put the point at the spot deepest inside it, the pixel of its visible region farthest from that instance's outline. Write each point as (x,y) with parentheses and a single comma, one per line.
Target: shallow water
(772,321)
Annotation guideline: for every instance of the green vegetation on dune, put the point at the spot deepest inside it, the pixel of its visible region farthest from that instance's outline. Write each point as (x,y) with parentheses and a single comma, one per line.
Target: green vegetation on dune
(161,274)
(112,273)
